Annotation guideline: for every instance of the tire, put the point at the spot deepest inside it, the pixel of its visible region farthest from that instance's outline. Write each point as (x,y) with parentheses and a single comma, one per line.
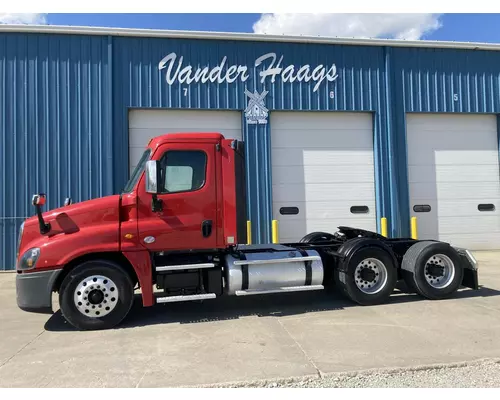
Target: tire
(418,274)
(116,295)
(350,282)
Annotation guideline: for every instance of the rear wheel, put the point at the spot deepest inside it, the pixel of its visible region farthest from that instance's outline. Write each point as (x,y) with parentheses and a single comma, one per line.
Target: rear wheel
(369,277)
(96,295)
(432,269)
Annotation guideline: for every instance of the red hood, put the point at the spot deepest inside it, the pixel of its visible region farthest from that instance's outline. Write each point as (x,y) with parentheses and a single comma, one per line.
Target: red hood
(71,219)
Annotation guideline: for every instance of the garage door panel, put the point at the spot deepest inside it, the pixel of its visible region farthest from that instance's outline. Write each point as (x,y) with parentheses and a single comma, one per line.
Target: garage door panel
(455,208)
(468,157)
(316,174)
(453,167)
(342,139)
(321,209)
(178,119)
(320,120)
(473,241)
(453,190)
(299,157)
(454,173)
(346,192)
(455,122)
(471,224)
(146,124)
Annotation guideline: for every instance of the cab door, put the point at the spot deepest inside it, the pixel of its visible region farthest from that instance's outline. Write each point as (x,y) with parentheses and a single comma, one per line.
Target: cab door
(187,217)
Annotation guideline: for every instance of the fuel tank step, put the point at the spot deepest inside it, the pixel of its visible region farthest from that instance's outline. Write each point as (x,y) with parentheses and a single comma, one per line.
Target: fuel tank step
(183,266)
(173,299)
(276,261)
(250,292)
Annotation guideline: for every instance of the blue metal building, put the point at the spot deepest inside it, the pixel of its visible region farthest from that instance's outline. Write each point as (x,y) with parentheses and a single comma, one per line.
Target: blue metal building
(75,103)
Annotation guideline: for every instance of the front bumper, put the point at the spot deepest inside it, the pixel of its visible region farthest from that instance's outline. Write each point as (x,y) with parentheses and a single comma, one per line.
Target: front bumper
(34,291)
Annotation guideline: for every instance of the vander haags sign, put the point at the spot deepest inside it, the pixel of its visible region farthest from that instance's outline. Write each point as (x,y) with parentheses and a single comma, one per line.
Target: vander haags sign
(272,67)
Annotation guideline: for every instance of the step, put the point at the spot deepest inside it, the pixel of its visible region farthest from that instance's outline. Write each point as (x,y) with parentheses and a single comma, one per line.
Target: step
(277,260)
(193,297)
(183,266)
(250,292)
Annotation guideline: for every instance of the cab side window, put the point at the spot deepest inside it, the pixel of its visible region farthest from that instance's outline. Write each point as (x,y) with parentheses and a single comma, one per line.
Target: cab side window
(183,170)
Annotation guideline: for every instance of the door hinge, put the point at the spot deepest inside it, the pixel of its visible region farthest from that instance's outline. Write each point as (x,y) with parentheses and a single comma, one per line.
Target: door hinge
(217,147)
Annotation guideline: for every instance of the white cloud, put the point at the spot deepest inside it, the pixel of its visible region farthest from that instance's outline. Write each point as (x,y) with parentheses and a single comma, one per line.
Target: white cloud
(27,18)
(396,26)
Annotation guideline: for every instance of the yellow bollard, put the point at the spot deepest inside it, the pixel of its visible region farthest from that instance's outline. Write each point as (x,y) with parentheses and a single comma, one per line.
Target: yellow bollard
(383,225)
(249,232)
(275,231)
(414,232)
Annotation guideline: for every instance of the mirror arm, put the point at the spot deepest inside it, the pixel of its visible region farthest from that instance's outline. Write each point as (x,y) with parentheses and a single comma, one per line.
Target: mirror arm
(38,201)
(156,204)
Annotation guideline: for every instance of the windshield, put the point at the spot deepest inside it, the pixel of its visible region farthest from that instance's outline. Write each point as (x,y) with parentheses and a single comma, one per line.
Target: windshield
(137,172)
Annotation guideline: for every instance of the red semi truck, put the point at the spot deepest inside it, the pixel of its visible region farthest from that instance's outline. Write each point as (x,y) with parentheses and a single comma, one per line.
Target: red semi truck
(180,225)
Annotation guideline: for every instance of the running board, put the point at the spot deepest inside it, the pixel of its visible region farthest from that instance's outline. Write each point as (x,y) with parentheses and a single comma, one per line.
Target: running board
(174,299)
(184,266)
(250,292)
(277,260)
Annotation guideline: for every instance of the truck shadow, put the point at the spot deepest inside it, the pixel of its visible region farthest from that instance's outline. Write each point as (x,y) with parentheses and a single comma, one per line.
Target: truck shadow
(231,308)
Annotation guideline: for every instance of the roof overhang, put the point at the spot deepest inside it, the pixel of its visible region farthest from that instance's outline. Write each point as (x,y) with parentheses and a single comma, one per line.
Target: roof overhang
(201,35)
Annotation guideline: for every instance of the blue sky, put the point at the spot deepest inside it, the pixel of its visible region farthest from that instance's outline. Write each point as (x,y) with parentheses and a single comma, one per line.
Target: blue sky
(453,27)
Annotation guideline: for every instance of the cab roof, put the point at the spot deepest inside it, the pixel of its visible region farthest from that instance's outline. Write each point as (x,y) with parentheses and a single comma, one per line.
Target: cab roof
(186,137)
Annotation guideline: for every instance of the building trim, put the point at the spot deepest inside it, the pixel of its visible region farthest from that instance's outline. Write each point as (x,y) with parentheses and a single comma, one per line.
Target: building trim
(173,34)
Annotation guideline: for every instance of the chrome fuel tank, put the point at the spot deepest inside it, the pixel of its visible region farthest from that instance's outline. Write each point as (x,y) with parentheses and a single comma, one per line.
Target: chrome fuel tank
(272,270)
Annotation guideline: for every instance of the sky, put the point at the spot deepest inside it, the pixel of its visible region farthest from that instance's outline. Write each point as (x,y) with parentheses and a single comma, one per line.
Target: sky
(448,27)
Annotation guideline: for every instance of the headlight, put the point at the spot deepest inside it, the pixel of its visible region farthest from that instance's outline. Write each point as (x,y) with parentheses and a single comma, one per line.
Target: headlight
(19,237)
(29,259)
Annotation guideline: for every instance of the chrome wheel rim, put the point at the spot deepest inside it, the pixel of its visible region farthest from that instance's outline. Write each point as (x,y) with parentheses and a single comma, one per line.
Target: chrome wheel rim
(370,276)
(439,271)
(96,296)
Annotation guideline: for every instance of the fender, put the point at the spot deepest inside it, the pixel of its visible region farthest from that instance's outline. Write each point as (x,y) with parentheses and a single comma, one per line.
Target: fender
(350,247)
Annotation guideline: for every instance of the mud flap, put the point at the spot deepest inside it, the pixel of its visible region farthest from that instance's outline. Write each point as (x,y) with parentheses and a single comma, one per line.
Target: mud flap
(471,278)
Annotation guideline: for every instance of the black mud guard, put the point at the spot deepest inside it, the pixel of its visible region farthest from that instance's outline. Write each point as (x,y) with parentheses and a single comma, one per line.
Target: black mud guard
(471,278)
(350,247)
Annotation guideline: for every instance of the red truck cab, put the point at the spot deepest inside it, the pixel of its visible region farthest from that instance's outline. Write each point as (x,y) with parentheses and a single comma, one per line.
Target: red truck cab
(200,203)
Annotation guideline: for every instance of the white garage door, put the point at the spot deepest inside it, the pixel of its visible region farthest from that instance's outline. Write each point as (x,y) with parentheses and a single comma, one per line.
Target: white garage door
(322,168)
(454,178)
(146,124)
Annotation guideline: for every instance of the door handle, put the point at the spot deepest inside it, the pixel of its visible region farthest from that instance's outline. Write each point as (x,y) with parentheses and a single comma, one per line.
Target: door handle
(206,228)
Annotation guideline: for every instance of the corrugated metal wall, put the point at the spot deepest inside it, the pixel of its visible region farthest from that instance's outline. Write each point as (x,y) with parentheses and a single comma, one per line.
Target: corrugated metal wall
(64,102)
(54,125)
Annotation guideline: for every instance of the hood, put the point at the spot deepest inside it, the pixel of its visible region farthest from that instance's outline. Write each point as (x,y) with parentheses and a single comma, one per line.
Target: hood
(71,219)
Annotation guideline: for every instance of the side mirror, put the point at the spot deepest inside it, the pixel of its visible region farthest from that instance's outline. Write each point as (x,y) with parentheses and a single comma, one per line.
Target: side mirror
(153,184)
(153,178)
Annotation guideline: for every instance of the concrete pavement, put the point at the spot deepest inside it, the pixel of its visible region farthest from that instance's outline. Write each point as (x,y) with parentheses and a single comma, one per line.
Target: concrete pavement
(242,339)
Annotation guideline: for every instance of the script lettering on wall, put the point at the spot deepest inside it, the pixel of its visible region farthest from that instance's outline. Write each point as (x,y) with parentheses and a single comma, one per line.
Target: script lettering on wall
(176,70)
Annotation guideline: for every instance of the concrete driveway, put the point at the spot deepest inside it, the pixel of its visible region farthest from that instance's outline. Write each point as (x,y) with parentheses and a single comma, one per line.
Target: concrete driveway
(241,339)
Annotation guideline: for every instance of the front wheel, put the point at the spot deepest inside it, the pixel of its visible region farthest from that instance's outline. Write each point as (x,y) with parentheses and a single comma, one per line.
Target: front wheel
(96,295)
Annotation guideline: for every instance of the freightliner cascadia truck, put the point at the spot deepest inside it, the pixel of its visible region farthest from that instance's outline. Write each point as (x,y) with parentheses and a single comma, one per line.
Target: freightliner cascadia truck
(178,232)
